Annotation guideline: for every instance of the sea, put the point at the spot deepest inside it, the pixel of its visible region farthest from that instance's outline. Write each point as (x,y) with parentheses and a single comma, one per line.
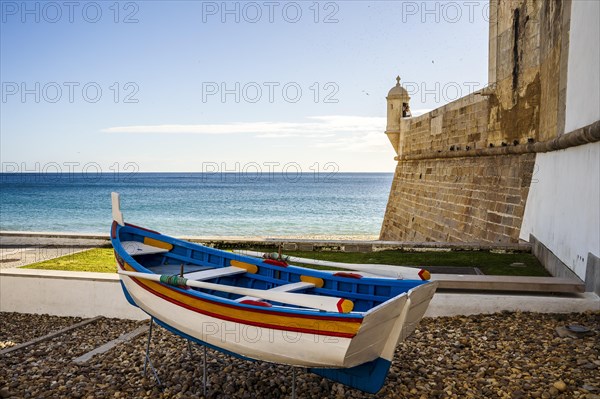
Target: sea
(340,205)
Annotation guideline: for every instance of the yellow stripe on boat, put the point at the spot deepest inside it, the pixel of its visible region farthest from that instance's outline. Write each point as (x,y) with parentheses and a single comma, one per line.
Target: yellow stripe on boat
(158,244)
(262,318)
(250,268)
(318,282)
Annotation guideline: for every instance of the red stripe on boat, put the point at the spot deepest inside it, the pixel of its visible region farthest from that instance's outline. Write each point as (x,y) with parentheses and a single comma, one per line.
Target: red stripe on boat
(256,303)
(348,275)
(276,262)
(301,316)
(141,228)
(248,322)
(113,229)
(339,305)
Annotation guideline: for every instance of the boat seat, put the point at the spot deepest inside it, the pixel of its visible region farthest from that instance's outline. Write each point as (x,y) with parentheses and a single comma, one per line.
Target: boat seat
(135,248)
(291,287)
(214,273)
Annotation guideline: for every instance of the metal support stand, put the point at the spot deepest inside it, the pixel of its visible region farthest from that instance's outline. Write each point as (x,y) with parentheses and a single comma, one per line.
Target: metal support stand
(147,360)
(204,374)
(293,382)
(189,345)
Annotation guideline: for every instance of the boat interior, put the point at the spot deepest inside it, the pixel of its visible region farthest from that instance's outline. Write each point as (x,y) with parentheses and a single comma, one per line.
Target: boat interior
(165,255)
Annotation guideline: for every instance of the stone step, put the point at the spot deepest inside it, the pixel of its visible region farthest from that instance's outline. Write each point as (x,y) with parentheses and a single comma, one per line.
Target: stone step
(508,283)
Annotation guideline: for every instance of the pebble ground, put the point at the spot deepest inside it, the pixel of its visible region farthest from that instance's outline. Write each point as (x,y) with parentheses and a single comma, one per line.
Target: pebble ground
(504,355)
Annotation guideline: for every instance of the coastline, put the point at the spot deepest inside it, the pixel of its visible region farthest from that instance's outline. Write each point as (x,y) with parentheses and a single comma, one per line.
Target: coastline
(351,206)
(345,243)
(105,236)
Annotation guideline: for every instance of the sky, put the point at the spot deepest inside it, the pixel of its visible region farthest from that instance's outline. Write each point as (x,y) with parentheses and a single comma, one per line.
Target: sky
(188,86)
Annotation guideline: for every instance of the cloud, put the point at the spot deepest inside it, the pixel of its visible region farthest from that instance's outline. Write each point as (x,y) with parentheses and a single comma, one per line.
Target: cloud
(338,132)
(287,135)
(368,142)
(317,126)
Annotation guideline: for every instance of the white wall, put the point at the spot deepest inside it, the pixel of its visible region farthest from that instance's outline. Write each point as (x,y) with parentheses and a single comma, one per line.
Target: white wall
(563,210)
(583,71)
(61,293)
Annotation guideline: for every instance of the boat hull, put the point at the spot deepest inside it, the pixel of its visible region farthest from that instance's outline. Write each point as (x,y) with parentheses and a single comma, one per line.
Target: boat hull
(322,348)
(377,336)
(255,342)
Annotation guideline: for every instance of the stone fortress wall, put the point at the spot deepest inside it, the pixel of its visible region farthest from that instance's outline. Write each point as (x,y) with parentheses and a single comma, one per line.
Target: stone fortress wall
(465,170)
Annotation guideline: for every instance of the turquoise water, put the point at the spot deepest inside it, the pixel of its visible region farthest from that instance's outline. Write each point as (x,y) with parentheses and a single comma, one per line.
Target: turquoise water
(344,204)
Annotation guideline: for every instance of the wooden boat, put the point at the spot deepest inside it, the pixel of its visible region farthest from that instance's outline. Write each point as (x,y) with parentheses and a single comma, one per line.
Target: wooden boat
(343,326)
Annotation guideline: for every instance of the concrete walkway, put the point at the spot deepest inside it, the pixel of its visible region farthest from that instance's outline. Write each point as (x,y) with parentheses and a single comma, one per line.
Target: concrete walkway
(37,241)
(508,283)
(289,243)
(11,257)
(454,304)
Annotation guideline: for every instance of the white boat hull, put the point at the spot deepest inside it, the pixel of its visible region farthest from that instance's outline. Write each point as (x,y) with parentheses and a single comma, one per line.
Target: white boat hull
(280,346)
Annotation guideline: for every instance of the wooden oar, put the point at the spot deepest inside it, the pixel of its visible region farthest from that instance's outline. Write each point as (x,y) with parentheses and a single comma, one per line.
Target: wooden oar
(326,303)
(398,272)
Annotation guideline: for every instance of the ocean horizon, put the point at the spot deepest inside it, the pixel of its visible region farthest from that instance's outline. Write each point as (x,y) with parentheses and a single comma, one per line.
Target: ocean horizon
(340,205)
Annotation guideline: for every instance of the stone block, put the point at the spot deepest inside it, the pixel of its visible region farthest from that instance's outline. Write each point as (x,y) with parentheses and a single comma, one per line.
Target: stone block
(305,247)
(592,276)
(290,246)
(453,200)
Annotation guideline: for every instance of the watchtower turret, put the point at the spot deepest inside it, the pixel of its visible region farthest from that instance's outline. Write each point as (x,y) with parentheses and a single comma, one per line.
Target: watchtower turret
(397,108)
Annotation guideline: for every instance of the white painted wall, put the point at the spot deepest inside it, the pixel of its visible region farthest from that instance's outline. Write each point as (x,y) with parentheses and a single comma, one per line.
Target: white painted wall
(583,72)
(562,208)
(61,293)
(563,205)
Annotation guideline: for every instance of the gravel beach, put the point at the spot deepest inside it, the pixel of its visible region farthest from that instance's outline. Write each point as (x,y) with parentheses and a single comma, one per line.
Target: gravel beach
(504,355)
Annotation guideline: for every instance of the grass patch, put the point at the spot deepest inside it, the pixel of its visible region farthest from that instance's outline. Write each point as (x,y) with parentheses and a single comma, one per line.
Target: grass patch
(94,260)
(102,260)
(489,263)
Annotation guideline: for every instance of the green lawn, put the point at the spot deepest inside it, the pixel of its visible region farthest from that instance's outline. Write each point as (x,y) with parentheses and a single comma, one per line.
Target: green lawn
(94,260)
(489,263)
(102,260)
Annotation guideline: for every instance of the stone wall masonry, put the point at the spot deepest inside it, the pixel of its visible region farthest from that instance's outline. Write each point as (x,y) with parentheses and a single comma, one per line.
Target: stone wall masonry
(530,71)
(459,124)
(459,199)
(480,120)
(581,136)
(524,104)
(464,169)
(463,185)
